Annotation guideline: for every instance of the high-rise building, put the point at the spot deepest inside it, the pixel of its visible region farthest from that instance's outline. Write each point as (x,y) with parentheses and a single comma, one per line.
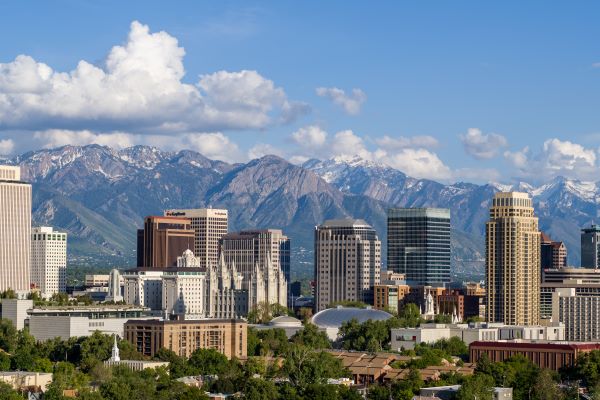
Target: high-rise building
(347,262)
(418,244)
(48,260)
(577,306)
(590,247)
(162,240)
(15,230)
(250,247)
(209,225)
(552,254)
(513,261)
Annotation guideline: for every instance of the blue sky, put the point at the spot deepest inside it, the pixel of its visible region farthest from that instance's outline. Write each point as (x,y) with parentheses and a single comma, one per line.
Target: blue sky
(446,90)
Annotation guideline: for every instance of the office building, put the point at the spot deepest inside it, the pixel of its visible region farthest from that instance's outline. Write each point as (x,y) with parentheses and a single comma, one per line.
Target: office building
(579,310)
(590,247)
(15,230)
(347,262)
(227,336)
(418,244)
(390,292)
(162,240)
(554,356)
(251,247)
(552,254)
(65,322)
(15,310)
(512,261)
(143,287)
(48,261)
(559,275)
(209,226)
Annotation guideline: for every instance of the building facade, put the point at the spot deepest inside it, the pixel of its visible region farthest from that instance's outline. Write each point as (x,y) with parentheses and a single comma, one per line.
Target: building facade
(48,261)
(418,244)
(513,261)
(552,254)
(248,248)
(227,336)
(162,240)
(579,312)
(209,226)
(15,230)
(347,262)
(590,247)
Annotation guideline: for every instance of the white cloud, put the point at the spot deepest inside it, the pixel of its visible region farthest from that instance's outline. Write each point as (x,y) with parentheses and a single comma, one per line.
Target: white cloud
(350,103)
(401,142)
(482,146)
(139,88)
(6,146)
(60,137)
(263,149)
(215,146)
(347,144)
(310,136)
(556,158)
(418,163)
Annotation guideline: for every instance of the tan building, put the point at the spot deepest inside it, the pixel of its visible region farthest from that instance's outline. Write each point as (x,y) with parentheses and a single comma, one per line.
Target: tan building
(474,289)
(162,240)
(48,260)
(390,292)
(347,262)
(15,230)
(513,261)
(228,336)
(209,225)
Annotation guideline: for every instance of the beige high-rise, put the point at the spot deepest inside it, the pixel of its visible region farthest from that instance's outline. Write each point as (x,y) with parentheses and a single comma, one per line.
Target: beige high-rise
(513,261)
(347,262)
(209,225)
(15,230)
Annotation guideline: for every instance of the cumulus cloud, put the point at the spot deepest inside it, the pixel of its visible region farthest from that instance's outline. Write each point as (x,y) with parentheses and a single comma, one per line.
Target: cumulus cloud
(556,158)
(351,103)
(6,146)
(263,149)
(401,142)
(482,146)
(60,137)
(310,136)
(138,88)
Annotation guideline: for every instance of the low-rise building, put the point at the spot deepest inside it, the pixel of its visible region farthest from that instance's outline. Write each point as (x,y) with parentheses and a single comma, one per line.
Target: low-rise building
(290,325)
(134,365)
(228,336)
(31,381)
(550,355)
(15,310)
(449,392)
(407,338)
(65,322)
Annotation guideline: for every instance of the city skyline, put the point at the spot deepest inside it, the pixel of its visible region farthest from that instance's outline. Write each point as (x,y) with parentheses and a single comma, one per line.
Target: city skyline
(328,103)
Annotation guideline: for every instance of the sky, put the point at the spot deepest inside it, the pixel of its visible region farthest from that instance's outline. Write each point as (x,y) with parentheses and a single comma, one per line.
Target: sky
(451,91)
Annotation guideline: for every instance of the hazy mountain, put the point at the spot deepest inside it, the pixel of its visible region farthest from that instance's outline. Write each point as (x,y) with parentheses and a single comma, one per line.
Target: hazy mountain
(100,195)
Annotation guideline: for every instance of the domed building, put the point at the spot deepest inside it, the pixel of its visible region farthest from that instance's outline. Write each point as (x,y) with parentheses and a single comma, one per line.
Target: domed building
(331,319)
(289,324)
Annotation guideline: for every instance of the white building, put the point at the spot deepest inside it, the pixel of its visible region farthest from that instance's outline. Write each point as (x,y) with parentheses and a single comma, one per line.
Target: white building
(15,310)
(114,287)
(15,231)
(65,322)
(267,284)
(135,365)
(48,260)
(189,291)
(580,313)
(407,338)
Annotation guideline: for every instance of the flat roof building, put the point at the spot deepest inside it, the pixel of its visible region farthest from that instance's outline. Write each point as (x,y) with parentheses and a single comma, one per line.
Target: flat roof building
(162,240)
(590,247)
(227,336)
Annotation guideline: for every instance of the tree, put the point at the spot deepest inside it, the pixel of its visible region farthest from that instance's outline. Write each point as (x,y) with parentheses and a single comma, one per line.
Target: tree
(7,392)
(442,319)
(93,350)
(410,316)
(546,386)
(304,366)
(253,342)
(260,389)
(8,335)
(372,336)
(479,386)
(178,366)
(263,312)
(271,342)
(311,337)
(378,392)
(208,362)
(8,294)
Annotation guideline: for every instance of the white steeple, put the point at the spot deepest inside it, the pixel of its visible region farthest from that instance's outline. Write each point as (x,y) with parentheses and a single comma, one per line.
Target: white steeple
(115,352)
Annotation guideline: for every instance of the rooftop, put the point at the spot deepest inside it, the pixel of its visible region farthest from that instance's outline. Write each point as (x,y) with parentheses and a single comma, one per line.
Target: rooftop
(335,317)
(347,222)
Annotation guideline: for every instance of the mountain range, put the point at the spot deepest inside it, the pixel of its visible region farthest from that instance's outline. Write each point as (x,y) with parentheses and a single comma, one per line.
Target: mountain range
(100,196)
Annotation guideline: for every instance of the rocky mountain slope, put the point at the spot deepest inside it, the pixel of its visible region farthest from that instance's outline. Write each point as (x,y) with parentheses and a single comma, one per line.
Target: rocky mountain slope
(100,195)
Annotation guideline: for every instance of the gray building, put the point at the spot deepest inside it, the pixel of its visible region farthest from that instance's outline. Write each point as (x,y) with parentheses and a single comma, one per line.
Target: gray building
(590,247)
(347,262)
(418,244)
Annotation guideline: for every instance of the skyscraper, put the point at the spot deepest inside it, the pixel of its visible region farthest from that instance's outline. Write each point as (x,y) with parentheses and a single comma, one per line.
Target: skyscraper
(418,244)
(209,225)
(162,240)
(590,247)
(347,262)
(552,254)
(15,230)
(513,261)
(48,260)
